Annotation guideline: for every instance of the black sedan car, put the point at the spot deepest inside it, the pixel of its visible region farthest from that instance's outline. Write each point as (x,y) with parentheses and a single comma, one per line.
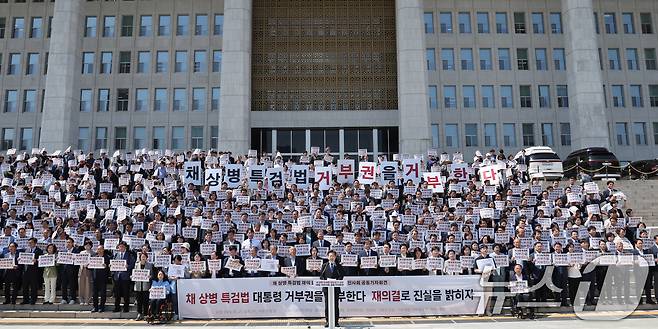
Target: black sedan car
(641,169)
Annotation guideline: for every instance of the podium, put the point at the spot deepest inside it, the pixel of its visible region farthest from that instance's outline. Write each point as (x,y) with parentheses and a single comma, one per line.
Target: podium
(331,296)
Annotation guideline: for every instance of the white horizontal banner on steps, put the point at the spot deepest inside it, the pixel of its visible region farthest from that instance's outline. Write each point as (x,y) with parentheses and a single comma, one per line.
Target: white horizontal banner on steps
(299,298)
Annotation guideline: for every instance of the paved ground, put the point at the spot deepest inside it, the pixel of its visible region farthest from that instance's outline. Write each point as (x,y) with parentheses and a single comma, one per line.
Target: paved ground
(639,319)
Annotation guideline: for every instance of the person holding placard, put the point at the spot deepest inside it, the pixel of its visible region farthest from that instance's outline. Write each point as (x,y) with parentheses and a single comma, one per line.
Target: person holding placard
(122,278)
(639,251)
(517,276)
(142,288)
(574,274)
(273,255)
(314,259)
(99,280)
(68,274)
(367,252)
(404,253)
(50,277)
(163,282)
(85,277)
(537,272)
(232,258)
(13,275)
(215,272)
(621,271)
(352,269)
(331,270)
(198,273)
(253,254)
(653,274)
(294,260)
(31,273)
(560,278)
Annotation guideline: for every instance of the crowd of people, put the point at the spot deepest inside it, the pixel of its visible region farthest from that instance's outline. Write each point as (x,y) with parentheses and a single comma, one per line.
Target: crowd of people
(75,223)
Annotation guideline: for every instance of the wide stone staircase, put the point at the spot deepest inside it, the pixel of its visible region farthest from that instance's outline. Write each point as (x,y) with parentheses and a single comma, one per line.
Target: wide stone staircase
(642,198)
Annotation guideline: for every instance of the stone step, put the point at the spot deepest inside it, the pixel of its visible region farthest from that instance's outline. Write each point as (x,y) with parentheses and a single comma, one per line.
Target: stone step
(66,314)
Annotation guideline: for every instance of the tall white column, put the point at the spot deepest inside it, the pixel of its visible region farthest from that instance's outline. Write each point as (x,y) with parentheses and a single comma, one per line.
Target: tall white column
(59,122)
(587,105)
(234,131)
(413,104)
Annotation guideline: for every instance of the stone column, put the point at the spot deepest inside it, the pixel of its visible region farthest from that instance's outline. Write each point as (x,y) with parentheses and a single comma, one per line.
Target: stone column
(413,104)
(586,103)
(234,131)
(59,121)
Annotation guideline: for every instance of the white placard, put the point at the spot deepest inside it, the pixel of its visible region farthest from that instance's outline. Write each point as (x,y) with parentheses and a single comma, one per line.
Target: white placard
(140,275)
(118,265)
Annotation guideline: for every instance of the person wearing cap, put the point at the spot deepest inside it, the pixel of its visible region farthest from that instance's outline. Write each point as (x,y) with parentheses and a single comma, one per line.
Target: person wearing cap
(122,278)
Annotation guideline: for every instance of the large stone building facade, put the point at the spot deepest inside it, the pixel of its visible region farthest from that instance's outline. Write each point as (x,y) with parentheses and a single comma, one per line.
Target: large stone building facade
(390,76)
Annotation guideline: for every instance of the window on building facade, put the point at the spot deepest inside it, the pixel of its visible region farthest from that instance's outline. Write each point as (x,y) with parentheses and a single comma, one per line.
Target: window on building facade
(528,130)
(471,134)
(509,134)
(565,134)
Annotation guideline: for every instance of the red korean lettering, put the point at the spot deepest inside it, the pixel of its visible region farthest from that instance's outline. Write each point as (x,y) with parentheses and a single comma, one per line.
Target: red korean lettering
(190,298)
(368,172)
(411,168)
(345,171)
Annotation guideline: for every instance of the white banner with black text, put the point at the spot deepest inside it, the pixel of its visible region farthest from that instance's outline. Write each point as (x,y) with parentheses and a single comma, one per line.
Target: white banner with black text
(299,298)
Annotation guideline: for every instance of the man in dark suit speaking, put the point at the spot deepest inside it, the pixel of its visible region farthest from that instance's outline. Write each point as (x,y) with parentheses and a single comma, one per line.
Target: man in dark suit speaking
(331,270)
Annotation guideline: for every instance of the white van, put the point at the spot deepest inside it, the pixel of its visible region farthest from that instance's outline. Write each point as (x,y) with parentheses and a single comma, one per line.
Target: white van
(541,161)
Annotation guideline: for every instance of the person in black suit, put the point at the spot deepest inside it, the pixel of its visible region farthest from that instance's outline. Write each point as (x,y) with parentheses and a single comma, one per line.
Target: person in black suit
(69,275)
(537,273)
(367,252)
(321,242)
(331,270)
(233,254)
(297,261)
(12,276)
(31,274)
(99,281)
(122,279)
(653,270)
(273,255)
(350,270)
(518,275)
(639,251)
(387,271)
(609,191)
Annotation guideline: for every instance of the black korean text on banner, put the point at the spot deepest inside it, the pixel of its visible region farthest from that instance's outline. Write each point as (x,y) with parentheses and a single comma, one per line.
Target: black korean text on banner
(299,175)
(388,171)
(213,179)
(193,173)
(233,175)
(460,171)
(274,177)
(256,174)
